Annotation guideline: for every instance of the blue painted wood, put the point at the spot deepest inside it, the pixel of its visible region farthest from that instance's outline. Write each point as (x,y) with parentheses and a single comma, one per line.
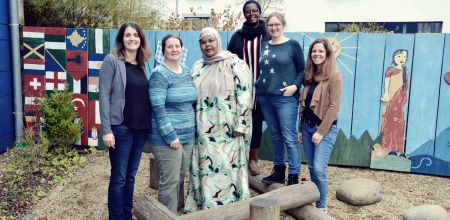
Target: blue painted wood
(190,40)
(368,82)
(4,12)
(150,36)
(6,141)
(346,62)
(112,38)
(5,32)
(423,103)
(296,36)
(5,83)
(5,61)
(442,148)
(7,116)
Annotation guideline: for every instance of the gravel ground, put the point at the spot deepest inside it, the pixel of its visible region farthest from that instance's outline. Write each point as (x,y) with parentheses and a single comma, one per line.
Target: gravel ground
(84,195)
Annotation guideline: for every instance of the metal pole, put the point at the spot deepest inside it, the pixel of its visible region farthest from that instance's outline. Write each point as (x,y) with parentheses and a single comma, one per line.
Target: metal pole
(16,68)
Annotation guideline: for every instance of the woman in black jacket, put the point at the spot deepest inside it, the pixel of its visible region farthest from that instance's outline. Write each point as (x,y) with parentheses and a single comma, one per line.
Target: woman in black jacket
(246,43)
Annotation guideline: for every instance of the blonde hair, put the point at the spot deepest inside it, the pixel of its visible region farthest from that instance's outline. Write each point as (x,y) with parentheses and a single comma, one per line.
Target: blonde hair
(312,72)
(277,15)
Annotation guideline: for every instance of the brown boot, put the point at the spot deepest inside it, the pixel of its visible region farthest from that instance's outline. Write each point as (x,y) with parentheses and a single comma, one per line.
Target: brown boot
(253,166)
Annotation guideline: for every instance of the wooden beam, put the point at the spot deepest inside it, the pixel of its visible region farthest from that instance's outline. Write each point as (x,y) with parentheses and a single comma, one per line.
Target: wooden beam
(288,197)
(303,212)
(154,173)
(264,209)
(148,208)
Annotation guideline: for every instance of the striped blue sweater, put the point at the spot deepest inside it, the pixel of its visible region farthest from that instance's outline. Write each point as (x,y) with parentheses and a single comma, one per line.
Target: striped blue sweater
(171,97)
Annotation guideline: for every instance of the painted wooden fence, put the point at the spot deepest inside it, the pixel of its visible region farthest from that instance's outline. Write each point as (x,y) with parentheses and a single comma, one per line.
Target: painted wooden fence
(395,105)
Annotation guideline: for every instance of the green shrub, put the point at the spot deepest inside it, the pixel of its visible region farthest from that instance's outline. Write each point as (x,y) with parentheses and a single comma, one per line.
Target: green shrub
(62,126)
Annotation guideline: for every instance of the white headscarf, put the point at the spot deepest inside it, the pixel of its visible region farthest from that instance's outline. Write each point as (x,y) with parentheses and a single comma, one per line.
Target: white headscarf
(217,77)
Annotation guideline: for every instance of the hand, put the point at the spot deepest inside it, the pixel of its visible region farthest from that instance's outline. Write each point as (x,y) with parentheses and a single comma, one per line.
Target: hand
(316,138)
(300,137)
(237,134)
(109,140)
(289,90)
(175,144)
(385,98)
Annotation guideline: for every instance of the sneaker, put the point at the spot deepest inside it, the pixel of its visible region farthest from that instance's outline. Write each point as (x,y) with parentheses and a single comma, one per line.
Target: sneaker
(324,210)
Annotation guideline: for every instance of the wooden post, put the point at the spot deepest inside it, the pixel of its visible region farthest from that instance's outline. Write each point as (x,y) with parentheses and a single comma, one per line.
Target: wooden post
(264,209)
(287,197)
(181,196)
(154,173)
(303,212)
(148,208)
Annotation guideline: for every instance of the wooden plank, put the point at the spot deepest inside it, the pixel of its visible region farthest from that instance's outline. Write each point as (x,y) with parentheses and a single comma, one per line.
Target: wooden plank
(190,41)
(148,208)
(442,147)
(5,61)
(287,197)
(368,82)
(112,38)
(380,159)
(302,212)
(345,45)
(5,33)
(430,106)
(425,82)
(7,115)
(150,36)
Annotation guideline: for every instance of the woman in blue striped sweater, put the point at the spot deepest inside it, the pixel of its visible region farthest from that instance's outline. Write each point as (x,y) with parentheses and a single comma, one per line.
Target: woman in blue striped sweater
(172,95)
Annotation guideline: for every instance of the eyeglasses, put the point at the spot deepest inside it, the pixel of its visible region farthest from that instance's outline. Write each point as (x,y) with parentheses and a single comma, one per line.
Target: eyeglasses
(274,25)
(254,11)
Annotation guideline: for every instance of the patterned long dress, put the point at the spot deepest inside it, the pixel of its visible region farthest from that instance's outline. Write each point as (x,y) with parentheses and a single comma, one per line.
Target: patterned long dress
(218,169)
(393,121)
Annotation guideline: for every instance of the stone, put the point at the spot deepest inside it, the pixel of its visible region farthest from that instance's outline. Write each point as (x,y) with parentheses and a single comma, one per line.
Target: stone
(426,211)
(359,191)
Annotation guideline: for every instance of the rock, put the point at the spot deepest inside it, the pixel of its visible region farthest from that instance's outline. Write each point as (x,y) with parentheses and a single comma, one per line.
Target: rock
(359,191)
(426,211)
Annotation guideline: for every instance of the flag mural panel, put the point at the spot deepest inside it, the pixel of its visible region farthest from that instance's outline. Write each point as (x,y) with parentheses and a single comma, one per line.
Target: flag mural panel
(77,69)
(95,62)
(98,48)
(33,73)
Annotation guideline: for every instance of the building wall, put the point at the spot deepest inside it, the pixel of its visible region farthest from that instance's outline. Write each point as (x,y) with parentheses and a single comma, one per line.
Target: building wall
(6,92)
(311,15)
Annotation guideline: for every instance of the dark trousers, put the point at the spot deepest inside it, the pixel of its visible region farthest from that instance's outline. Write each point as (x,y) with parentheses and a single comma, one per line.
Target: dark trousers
(124,160)
(257,118)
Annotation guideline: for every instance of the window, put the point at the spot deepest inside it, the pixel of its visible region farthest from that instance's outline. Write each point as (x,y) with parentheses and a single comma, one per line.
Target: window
(197,22)
(394,27)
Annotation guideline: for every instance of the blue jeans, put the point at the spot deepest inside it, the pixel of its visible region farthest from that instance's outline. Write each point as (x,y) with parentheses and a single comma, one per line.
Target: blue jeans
(124,160)
(280,113)
(317,158)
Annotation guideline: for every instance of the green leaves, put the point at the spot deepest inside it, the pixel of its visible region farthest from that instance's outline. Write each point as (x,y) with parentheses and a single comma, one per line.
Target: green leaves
(63,127)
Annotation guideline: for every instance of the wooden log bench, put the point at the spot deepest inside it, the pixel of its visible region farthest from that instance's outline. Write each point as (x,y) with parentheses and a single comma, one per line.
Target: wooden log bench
(288,197)
(307,211)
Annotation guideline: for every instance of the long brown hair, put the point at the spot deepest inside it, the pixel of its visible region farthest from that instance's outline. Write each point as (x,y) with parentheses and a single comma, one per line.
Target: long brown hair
(328,67)
(143,52)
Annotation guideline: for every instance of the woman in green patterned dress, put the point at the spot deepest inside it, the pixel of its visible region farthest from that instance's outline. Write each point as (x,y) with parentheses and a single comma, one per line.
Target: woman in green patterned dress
(219,173)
